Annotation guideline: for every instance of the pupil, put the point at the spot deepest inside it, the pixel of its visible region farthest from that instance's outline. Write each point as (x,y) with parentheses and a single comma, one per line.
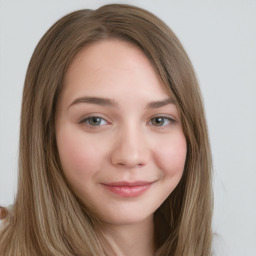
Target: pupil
(159,121)
(95,120)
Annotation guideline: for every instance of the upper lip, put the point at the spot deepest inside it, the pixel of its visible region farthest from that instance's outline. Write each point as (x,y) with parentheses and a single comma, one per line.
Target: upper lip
(128,184)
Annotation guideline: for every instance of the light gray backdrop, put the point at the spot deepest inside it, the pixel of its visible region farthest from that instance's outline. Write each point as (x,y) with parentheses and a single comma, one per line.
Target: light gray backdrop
(220,37)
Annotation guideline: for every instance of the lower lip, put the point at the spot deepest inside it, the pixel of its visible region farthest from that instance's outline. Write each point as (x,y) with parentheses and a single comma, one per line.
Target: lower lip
(128,191)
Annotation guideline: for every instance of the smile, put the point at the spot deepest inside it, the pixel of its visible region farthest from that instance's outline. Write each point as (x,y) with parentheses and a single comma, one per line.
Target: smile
(126,189)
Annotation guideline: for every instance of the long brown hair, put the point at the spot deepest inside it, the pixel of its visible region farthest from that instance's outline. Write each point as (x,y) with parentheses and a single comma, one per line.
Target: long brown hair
(47,218)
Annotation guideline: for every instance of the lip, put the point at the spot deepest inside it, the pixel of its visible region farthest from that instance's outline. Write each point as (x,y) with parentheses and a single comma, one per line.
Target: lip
(128,189)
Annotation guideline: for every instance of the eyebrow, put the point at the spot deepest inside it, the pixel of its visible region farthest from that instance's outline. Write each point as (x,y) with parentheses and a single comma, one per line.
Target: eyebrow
(161,103)
(95,100)
(111,103)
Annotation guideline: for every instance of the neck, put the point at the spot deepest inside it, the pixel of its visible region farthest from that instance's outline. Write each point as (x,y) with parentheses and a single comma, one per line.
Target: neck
(131,239)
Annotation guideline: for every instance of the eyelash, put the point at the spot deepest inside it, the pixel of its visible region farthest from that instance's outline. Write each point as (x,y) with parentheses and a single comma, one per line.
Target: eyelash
(163,121)
(90,118)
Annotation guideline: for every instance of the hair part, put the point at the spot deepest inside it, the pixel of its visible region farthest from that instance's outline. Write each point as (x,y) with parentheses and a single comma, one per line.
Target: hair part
(47,217)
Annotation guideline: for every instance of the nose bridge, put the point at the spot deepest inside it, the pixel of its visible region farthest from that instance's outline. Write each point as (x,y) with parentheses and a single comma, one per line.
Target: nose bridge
(131,148)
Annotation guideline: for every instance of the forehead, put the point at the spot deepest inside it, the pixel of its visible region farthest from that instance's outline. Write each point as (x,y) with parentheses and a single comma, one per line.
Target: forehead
(107,54)
(103,65)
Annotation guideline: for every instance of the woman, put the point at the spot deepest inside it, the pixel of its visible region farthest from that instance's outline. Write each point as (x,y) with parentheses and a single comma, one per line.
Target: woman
(114,151)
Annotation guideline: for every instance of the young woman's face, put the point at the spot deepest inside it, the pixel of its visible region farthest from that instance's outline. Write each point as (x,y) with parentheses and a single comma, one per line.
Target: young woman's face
(119,135)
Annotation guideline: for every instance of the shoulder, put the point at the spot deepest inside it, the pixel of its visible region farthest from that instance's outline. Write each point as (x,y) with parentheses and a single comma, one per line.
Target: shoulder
(4,211)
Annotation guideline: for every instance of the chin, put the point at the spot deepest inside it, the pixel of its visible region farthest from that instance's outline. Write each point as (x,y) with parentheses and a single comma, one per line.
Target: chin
(125,218)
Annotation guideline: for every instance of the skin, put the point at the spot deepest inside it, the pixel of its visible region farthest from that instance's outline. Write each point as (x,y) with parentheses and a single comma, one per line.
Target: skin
(126,138)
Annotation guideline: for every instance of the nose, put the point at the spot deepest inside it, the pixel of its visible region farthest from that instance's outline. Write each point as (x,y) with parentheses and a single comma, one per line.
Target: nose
(130,149)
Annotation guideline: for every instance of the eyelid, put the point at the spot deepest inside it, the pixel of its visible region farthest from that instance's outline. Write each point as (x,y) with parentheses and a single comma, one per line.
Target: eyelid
(165,116)
(92,115)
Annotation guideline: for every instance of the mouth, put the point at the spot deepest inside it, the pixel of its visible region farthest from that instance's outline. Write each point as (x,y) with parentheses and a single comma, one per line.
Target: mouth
(128,189)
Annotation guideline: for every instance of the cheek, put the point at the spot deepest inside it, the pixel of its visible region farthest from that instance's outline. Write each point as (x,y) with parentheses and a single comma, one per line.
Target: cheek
(77,157)
(171,156)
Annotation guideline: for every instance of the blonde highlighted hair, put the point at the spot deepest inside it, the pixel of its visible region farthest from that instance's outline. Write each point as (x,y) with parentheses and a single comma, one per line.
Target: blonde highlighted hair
(47,218)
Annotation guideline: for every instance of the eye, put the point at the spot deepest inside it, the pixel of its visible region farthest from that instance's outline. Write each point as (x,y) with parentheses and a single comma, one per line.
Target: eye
(161,121)
(94,121)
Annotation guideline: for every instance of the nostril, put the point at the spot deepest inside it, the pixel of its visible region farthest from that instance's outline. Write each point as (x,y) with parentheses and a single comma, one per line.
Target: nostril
(131,165)
(129,161)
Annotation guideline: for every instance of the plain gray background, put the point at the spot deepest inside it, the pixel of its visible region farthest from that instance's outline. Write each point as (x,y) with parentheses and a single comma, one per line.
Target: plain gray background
(220,38)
